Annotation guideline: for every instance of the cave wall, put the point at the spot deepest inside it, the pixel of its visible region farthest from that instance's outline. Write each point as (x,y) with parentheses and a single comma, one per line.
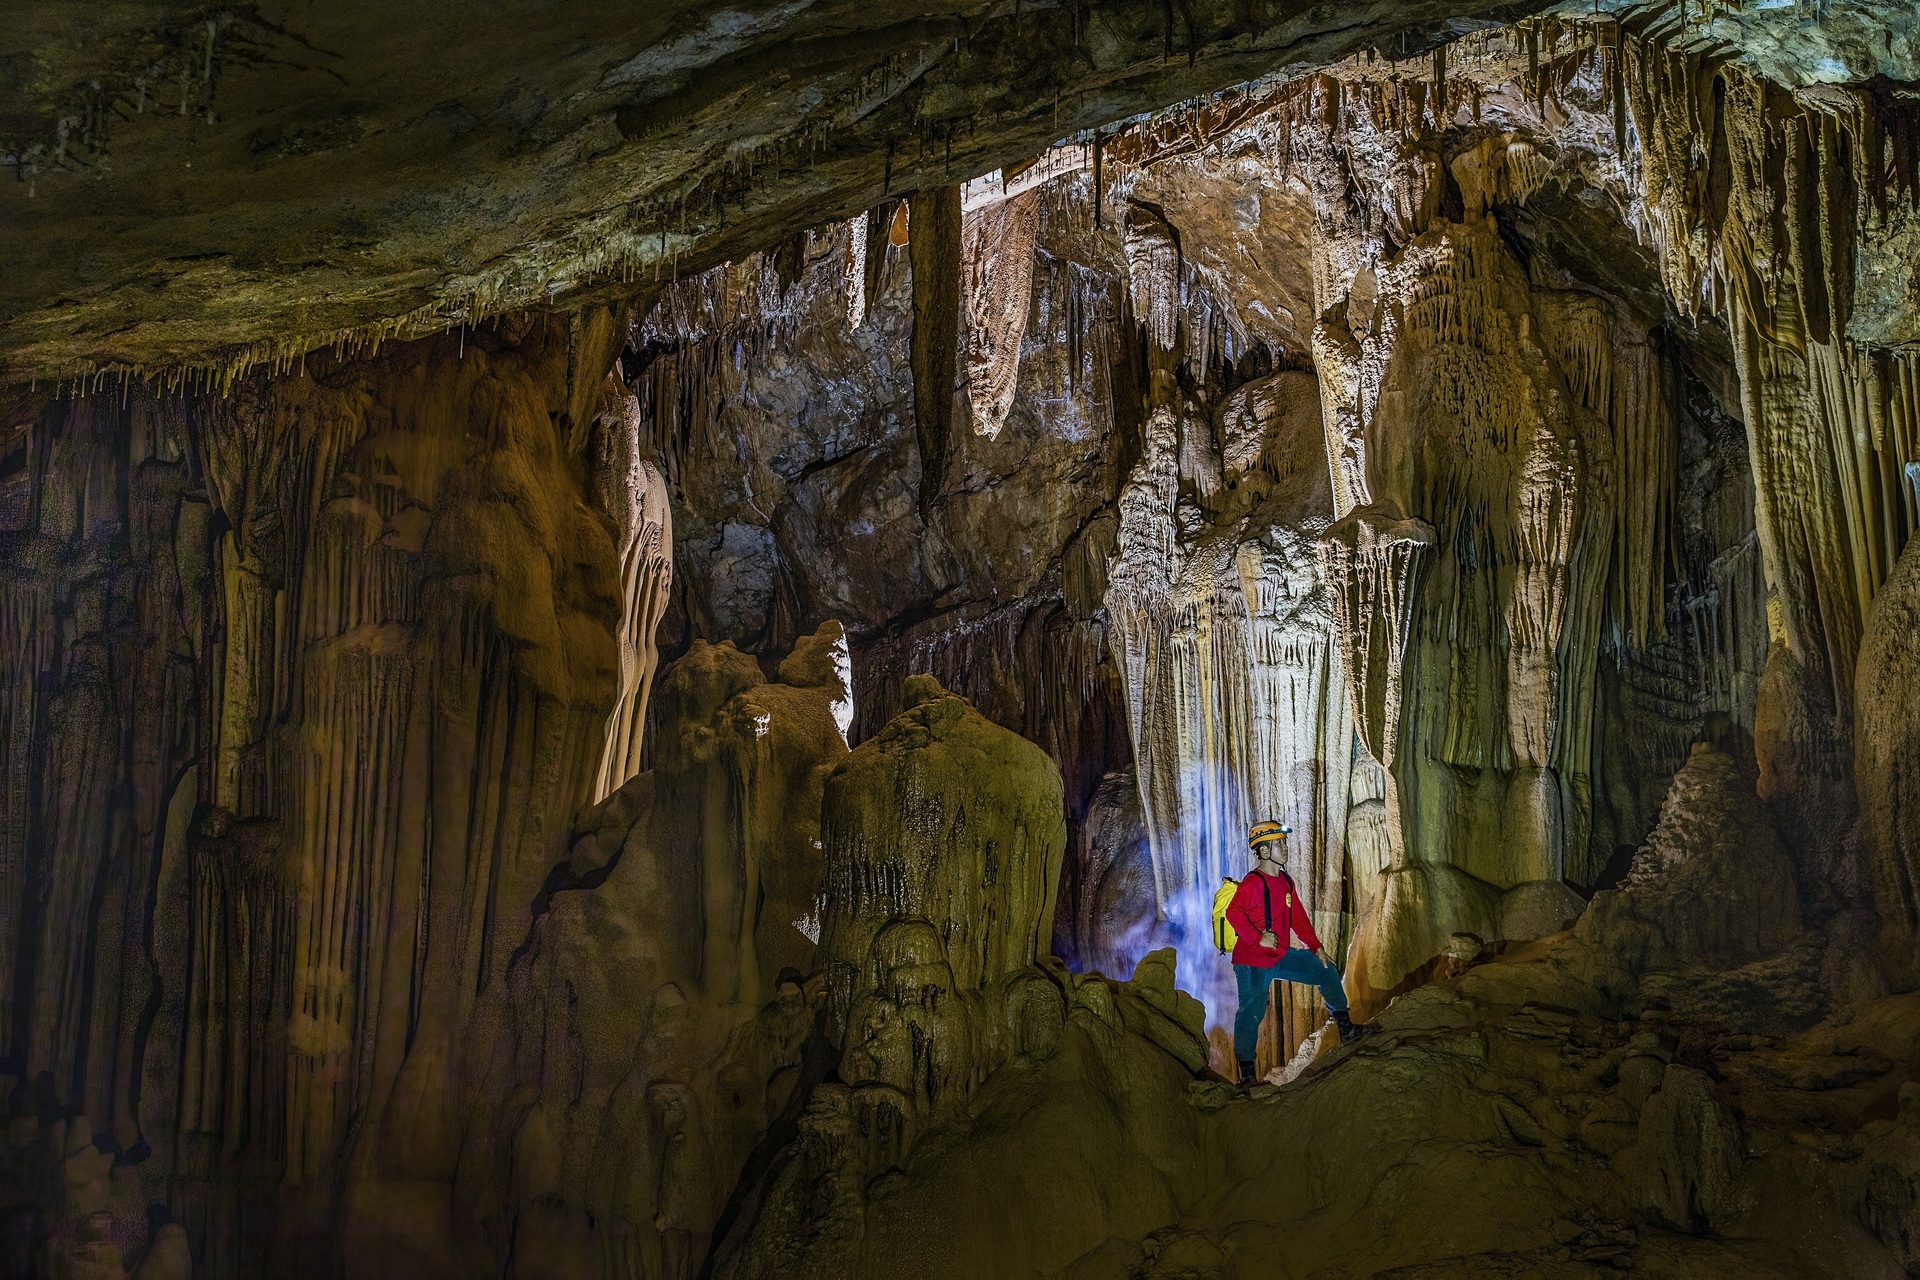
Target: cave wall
(776,398)
(1351,224)
(372,906)
(1542,525)
(360,1023)
(1789,216)
(1700,679)
(786,427)
(305,686)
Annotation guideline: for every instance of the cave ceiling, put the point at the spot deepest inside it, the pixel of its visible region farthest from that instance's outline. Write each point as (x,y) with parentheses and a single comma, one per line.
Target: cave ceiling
(211,184)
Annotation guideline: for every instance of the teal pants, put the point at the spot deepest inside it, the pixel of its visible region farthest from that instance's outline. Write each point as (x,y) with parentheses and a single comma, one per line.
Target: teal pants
(1298,965)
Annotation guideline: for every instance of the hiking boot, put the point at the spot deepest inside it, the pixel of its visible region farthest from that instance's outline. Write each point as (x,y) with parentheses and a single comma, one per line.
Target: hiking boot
(1246,1072)
(1351,1030)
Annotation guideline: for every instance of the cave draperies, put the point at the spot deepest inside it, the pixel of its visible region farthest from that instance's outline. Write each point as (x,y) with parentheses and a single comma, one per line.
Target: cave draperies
(316,734)
(1520,437)
(1795,218)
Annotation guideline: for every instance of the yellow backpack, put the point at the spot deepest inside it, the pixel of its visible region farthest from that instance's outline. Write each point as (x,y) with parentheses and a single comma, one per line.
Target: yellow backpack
(1224,934)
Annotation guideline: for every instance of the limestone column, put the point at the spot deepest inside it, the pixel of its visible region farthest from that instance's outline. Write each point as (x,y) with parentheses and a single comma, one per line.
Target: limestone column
(1373,569)
(634,492)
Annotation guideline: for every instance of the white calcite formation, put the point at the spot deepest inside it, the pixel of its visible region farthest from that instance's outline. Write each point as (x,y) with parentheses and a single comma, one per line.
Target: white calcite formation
(1220,625)
(639,504)
(1496,437)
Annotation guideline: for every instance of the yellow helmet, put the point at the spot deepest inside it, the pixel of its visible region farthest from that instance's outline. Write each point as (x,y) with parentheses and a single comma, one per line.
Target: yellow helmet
(1268,832)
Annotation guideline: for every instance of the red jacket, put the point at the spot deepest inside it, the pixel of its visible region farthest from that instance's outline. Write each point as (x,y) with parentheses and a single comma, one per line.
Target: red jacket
(1247,913)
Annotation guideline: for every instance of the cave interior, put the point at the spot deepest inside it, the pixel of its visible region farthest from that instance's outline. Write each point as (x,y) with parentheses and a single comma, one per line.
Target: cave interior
(633,645)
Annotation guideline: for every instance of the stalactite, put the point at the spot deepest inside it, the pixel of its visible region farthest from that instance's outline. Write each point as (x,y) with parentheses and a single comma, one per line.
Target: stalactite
(29,636)
(238,993)
(936,248)
(854,271)
(1373,569)
(88,787)
(1154,275)
(1445,379)
(351,772)
(1339,358)
(680,398)
(635,494)
(1791,233)
(998,253)
(699,337)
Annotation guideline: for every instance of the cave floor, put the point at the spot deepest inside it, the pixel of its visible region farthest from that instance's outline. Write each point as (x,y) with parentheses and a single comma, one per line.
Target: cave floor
(1515,1119)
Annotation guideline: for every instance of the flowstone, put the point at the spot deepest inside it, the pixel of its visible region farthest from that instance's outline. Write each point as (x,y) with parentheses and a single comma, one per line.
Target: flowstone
(663,1022)
(943,838)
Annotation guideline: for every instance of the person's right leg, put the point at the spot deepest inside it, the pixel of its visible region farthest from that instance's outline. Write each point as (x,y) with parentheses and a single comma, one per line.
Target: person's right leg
(1253,985)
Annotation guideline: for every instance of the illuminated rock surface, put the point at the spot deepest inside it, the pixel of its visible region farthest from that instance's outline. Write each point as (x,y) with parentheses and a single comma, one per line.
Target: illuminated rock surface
(710,749)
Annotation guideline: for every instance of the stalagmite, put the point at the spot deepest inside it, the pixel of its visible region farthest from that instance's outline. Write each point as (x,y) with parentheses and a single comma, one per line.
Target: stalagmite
(1885,743)
(661,1014)
(1153,274)
(1712,879)
(943,838)
(168,1257)
(980,785)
